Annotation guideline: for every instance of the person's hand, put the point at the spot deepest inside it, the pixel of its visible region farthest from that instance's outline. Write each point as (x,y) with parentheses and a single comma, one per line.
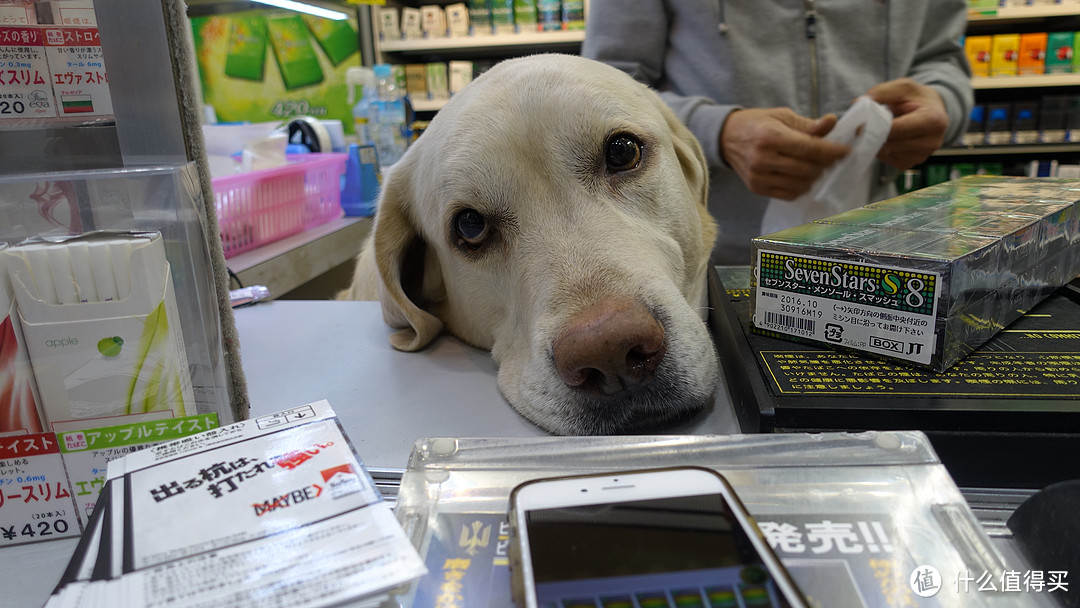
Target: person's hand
(918,128)
(777,152)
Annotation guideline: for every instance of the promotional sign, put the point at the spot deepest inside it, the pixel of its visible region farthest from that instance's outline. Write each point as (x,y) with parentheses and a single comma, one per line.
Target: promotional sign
(260,66)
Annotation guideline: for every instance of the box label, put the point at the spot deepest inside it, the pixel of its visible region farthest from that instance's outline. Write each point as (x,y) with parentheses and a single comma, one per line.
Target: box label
(877,309)
(25,90)
(79,79)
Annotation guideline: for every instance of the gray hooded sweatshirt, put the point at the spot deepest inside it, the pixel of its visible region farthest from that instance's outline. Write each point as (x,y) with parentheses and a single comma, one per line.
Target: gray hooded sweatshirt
(709,57)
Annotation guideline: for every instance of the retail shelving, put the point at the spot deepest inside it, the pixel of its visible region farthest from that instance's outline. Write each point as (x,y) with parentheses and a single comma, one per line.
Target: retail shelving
(505,43)
(1024,82)
(1016,13)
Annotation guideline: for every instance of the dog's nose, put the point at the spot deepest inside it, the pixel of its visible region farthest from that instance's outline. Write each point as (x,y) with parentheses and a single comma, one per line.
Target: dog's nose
(610,347)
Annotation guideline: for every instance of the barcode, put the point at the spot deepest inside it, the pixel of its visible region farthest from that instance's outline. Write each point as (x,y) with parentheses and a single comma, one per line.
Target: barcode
(789,322)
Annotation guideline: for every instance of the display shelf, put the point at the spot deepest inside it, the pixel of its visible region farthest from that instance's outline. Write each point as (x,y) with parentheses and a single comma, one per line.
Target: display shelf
(1030,81)
(286,264)
(428,105)
(1015,13)
(1062,148)
(511,43)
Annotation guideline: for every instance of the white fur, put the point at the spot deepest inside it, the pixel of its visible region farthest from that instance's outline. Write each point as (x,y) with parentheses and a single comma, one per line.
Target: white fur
(524,142)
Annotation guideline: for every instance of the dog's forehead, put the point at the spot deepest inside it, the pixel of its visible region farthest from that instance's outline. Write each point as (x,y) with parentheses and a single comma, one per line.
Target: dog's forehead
(557,93)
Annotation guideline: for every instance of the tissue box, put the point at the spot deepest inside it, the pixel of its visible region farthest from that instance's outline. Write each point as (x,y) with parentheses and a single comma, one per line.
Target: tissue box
(102,330)
(20,410)
(922,278)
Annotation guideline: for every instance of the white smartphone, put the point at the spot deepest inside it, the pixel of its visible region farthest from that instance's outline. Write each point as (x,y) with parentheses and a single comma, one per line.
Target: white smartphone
(649,539)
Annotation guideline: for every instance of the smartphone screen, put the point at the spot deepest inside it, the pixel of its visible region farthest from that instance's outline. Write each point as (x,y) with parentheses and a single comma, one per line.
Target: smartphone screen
(683,551)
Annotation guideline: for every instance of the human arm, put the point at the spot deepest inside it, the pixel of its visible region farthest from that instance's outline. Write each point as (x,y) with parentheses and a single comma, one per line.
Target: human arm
(933,99)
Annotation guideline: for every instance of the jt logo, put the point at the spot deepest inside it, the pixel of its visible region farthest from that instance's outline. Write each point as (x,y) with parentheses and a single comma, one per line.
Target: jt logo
(913,348)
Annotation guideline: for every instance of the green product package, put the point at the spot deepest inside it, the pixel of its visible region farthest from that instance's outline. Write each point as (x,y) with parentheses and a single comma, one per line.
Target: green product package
(573,14)
(1059,52)
(1075,55)
(296,59)
(480,16)
(935,174)
(336,38)
(549,14)
(502,15)
(525,15)
(245,56)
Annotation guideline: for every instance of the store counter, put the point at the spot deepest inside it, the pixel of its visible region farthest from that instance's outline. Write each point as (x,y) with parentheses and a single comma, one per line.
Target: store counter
(296,351)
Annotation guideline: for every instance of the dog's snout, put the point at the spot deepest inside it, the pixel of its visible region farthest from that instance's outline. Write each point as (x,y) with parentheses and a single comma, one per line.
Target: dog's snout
(609,348)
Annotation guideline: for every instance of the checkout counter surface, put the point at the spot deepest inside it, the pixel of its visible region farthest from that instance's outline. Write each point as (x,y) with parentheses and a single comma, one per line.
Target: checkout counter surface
(295,352)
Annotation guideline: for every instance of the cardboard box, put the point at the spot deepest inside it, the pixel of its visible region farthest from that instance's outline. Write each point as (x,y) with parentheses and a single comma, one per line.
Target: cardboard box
(1004,55)
(480,17)
(1025,122)
(433,21)
(102,358)
(411,23)
(437,85)
(1032,59)
(461,74)
(502,16)
(978,53)
(975,135)
(389,26)
(1059,52)
(416,80)
(1052,110)
(924,278)
(457,19)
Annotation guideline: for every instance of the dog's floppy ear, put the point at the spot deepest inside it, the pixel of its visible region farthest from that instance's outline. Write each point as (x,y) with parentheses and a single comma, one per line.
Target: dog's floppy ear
(694,167)
(400,253)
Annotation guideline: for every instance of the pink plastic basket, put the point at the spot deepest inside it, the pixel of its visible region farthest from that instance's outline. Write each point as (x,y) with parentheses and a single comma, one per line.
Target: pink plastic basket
(260,207)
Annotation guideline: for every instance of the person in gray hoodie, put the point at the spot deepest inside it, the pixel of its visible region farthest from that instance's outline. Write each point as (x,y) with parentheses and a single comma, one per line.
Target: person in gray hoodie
(759,82)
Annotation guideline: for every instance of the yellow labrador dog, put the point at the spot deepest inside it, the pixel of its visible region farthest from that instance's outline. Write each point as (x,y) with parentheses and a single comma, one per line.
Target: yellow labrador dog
(554,213)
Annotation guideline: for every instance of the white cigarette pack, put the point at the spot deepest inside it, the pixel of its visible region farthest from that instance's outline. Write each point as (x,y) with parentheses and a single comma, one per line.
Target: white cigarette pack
(20,405)
(102,329)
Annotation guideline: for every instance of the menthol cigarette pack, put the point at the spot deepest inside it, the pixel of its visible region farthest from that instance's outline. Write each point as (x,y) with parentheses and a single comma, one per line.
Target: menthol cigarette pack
(102,329)
(923,278)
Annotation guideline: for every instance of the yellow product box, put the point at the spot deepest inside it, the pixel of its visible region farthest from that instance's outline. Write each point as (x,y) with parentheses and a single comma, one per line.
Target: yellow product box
(1032,59)
(977,49)
(416,80)
(1004,55)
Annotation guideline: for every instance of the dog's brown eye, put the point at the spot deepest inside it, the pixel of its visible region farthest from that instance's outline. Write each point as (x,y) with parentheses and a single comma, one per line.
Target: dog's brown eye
(623,153)
(471,227)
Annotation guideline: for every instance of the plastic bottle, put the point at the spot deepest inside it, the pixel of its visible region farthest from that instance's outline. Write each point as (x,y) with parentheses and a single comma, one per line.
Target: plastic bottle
(387,117)
(361,108)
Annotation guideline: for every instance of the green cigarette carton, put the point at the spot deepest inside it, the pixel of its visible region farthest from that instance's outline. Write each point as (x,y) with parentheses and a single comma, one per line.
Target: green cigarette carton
(549,15)
(502,16)
(336,38)
(525,15)
(480,16)
(245,55)
(1059,52)
(296,59)
(573,14)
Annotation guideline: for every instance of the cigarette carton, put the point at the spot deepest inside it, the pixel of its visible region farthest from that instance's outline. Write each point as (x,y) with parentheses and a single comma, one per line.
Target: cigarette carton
(389,28)
(433,21)
(978,49)
(1059,53)
(525,15)
(437,85)
(411,23)
(480,17)
(1025,122)
(20,405)
(975,135)
(502,16)
(1032,59)
(573,14)
(549,15)
(461,74)
(113,352)
(457,19)
(1052,119)
(923,278)
(1004,55)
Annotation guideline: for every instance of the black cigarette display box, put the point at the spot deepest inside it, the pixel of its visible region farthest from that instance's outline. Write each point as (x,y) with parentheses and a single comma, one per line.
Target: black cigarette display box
(1007,415)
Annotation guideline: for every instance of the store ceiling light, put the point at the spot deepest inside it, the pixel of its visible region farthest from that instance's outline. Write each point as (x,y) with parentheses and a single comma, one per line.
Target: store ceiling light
(300,7)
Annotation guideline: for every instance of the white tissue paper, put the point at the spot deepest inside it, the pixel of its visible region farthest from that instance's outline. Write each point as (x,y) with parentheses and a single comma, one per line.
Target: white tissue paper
(846,184)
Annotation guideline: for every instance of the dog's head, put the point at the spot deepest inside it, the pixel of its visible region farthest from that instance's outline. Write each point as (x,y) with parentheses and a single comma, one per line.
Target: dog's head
(554,212)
